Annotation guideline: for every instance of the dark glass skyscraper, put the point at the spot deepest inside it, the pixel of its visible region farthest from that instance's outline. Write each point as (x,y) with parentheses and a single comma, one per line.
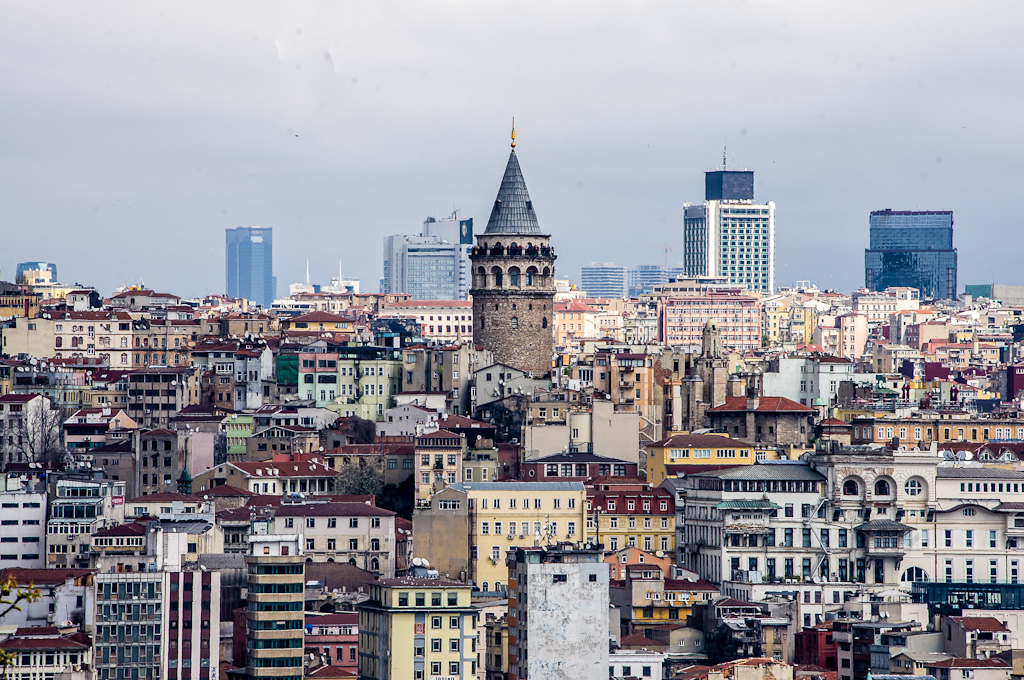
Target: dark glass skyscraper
(912,248)
(250,264)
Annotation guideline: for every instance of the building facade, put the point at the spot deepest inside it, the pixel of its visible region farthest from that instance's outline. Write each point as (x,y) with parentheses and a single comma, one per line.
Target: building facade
(730,235)
(603,280)
(249,266)
(433,265)
(912,248)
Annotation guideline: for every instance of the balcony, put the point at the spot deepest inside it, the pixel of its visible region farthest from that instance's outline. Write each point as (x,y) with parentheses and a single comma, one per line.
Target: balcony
(884,538)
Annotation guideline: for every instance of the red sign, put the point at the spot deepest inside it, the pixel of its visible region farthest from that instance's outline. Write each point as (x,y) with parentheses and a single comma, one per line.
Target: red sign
(419,629)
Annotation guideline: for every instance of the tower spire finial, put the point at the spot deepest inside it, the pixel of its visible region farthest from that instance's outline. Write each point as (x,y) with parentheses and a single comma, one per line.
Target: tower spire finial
(725,159)
(513,133)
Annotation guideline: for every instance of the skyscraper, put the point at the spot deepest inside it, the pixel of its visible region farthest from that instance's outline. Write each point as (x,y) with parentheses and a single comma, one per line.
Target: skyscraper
(250,264)
(433,265)
(603,280)
(912,248)
(644,277)
(730,235)
(514,280)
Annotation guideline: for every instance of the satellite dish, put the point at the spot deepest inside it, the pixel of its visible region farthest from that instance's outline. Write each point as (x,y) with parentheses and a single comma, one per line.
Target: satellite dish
(417,562)
(659,554)
(425,563)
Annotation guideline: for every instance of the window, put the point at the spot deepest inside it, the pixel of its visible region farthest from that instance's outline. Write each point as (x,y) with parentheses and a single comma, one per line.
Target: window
(882,488)
(851,488)
(913,487)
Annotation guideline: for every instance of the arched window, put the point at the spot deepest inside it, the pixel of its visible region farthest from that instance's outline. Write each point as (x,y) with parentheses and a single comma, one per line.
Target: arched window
(498,587)
(914,574)
(124,358)
(481,321)
(513,276)
(913,487)
(515,322)
(882,488)
(352,561)
(58,341)
(483,586)
(851,488)
(374,564)
(544,322)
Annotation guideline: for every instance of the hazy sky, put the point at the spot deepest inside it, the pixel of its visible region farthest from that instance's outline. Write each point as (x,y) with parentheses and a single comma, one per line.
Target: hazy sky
(132,134)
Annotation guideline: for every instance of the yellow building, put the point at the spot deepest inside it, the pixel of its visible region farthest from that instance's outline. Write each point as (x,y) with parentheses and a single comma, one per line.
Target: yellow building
(697,449)
(632,514)
(472,525)
(417,628)
(648,598)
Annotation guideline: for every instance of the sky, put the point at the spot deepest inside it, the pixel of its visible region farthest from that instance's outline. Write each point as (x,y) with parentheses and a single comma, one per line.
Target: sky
(133,133)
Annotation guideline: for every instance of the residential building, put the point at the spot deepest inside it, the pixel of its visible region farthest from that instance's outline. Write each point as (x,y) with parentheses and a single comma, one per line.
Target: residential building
(765,421)
(628,512)
(278,477)
(472,525)
(78,508)
(912,248)
(548,639)
(249,268)
(730,235)
(668,457)
(604,280)
(155,625)
(64,595)
(682,318)
(30,428)
(275,621)
(48,652)
(648,598)
(433,265)
(431,620)
(449,320)
(356,533)
(599,428)
(334,639)
(23,527)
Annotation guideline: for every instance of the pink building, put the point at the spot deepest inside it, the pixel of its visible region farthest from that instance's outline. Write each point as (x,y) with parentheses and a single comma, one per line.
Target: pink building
(333,639)
(738,313)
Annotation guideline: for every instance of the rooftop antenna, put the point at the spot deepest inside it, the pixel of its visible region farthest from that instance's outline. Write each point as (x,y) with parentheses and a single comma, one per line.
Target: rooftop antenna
(513,133)
(725,160)
(307,271)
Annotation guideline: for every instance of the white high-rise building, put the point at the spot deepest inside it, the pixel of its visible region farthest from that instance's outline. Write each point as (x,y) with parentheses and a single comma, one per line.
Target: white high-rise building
(729,235)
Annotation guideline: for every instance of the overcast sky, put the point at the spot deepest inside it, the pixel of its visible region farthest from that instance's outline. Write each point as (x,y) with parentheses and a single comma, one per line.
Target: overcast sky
(132,134)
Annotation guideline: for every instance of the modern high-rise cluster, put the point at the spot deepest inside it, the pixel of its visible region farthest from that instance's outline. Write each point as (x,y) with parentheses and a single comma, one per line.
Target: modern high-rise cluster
(485,471)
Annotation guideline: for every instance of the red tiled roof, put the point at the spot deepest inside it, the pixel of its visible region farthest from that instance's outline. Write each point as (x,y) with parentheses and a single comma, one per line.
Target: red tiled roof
(44,577)
(987,624)
(968,663)
(332,619)
(692,586)
(17,398)
(300,469)
(166,497)
(132,529)
(226,490)
(332,510)
(683,441)
(638,641)
(15,644)
(765,405)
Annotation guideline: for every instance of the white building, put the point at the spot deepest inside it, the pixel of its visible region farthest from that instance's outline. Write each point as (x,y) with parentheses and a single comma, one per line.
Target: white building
(729,235)
(23,529)
(635,663)
(805,379)
(558,613)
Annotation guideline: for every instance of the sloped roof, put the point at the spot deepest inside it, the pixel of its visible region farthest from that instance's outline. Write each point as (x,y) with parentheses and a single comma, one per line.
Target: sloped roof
(764,405)
(513,210)
(683,441)
(988,624)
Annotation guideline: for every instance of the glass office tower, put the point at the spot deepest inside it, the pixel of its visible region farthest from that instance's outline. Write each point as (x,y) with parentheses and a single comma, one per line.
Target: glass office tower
(912,248)
(250,264)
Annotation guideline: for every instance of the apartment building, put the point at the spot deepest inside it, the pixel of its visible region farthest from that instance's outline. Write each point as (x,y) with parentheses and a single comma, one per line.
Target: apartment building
(431,620)
(472,525)
(628,512)
(275,622)
(548,639)
(356,533)
(78,508)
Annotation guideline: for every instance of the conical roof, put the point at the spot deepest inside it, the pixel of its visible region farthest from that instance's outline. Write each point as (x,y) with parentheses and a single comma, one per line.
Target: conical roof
(513,210)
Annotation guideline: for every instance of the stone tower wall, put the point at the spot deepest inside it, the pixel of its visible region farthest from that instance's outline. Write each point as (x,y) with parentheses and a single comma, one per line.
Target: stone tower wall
(513,300)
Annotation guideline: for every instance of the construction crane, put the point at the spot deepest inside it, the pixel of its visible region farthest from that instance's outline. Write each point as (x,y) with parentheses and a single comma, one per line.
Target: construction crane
(665,247)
